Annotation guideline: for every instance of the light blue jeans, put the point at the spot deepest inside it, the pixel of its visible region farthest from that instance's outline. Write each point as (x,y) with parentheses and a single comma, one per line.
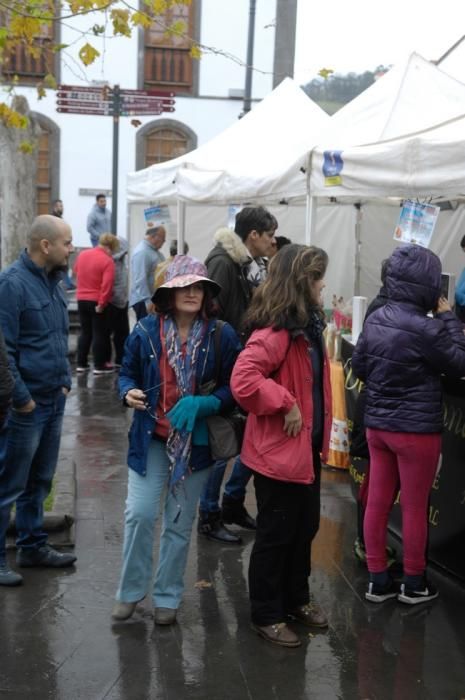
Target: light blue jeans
(142,509)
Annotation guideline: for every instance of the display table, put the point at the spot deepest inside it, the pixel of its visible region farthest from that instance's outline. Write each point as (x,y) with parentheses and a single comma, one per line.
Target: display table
(339,440)
(446,512)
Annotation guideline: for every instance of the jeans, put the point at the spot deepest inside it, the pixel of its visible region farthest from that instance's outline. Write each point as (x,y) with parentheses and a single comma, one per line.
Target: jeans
(29,449)
(287,522)
(95,332)
(412,459)
(235,487)
(142,510)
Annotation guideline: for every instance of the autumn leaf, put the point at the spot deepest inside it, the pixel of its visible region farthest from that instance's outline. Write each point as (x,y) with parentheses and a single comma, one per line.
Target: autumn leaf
(158,7)
(26,28)
(325,73)
(196,52)
(140,19)
(26,147)
(11,118)
(59,47)
(203,584)
(41,91)
(50,81)
(88,54)
(135,123)
(176,28)
(120,19)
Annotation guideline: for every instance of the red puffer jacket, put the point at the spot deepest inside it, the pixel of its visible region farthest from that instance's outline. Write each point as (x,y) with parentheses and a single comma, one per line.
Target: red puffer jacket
(270,375)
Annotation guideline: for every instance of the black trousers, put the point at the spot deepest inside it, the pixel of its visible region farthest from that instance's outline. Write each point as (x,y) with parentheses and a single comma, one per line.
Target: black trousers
(119,330)
(287,522)
(94,331)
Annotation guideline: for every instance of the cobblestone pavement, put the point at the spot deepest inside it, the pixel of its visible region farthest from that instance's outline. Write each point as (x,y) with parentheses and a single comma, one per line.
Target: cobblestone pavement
(57,641)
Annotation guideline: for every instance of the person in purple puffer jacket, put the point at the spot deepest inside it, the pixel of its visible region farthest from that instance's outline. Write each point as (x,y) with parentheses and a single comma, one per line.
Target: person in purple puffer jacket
(400,355)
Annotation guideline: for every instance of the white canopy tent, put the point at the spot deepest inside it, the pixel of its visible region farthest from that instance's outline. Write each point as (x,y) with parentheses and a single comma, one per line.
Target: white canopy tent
(259,159)
(403,137)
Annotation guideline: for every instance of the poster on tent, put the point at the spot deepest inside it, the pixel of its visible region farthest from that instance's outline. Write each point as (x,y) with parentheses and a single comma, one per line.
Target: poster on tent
(157,216)
(416,223)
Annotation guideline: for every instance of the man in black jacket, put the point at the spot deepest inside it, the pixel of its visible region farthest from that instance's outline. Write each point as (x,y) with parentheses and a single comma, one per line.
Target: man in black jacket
(237,263)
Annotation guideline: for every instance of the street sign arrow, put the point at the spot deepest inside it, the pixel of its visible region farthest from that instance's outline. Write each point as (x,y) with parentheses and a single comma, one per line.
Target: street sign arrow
(146,101)
(85,110)
(147,93)
(85,104)
(81,88)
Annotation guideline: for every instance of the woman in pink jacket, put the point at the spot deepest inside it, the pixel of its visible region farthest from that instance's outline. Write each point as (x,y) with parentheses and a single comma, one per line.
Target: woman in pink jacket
(281,379)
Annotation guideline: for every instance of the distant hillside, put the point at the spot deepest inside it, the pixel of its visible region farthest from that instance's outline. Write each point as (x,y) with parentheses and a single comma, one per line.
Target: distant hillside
(336,90)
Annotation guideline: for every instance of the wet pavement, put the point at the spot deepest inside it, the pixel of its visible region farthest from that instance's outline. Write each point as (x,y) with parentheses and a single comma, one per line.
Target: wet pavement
(57,641)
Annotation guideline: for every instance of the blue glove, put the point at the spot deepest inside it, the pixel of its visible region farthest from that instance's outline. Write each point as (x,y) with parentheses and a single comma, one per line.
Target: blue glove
(184,414)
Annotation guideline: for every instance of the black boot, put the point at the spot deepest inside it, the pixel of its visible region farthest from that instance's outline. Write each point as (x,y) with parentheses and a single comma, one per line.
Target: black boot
(234,512)
(211,526)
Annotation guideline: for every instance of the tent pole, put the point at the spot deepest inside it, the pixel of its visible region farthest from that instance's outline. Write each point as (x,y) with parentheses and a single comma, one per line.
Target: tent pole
(310,219)
(181,215)
(358,245)
(310,209)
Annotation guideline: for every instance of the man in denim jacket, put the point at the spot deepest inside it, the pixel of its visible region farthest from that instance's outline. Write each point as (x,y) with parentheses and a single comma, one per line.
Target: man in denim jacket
(34,321)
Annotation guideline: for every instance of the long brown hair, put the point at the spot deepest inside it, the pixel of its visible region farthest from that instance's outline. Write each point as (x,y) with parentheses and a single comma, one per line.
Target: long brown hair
(286,299)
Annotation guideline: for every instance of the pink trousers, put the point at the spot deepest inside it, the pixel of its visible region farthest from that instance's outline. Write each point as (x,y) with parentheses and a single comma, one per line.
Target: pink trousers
(411,459)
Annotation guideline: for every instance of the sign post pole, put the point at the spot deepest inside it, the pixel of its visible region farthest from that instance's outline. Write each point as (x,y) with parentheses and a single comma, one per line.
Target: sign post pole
(114,190)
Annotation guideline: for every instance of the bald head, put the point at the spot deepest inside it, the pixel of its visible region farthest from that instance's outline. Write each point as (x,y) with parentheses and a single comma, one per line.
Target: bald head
(50,242)
(45,228)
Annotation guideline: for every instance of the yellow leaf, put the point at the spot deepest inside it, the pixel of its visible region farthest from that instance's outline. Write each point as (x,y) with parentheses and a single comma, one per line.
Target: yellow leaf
(140,19)
(325,73)
(11,118)
(196,52)
(26,147)
(50,81)
(88,54)
(176,28)
(41,92)
(120,19)
(158,7)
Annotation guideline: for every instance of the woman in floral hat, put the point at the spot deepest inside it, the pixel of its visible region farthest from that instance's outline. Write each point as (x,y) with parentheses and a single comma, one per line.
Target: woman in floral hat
(169,360)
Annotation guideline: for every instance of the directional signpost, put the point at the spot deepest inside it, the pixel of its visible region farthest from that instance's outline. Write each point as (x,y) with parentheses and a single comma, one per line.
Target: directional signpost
(113,102)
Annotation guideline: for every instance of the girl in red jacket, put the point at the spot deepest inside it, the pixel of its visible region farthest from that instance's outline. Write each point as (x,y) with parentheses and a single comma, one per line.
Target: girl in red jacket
(281,379)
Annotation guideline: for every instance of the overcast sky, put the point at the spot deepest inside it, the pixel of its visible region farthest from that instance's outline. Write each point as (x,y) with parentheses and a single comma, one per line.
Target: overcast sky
(358,35)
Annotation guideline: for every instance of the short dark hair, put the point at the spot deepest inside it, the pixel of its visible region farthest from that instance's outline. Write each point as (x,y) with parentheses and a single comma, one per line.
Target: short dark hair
(55,201)
(384,269)
(165,302)
(99,196)
(462,242)
(174,248)
(282,241)
(253,219)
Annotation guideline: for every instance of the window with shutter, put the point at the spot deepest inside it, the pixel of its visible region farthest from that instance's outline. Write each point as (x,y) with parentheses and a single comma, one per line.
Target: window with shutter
(30,68)
(167,58)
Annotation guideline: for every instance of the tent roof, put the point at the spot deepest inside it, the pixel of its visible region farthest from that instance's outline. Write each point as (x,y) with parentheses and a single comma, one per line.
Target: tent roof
(427,164)
(259,157)
(404,136)
(413,96)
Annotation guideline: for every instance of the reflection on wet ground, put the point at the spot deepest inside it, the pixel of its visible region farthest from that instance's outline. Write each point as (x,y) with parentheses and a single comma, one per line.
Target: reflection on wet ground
(57,641)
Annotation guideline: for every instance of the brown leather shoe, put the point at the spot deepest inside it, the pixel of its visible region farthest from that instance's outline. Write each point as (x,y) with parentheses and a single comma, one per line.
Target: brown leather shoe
(310,614)
(279,633)
(165,616)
